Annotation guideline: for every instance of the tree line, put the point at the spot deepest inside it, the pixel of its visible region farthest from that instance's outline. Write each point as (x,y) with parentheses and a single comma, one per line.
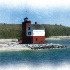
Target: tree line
(56,30)
(15,30)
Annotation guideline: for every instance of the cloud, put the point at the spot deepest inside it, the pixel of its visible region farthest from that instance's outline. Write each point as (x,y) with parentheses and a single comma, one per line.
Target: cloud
(12,3)
(49,3)
(35,3)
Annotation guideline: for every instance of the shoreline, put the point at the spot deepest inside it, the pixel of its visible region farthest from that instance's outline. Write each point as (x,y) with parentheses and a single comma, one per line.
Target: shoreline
(58,38)
(13,45)
(13,48)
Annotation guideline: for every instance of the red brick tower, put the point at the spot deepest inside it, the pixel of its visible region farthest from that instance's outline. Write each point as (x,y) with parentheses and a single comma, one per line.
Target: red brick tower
(25,24)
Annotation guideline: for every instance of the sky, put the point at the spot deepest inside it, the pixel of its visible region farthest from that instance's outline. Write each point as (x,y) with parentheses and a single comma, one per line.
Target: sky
(41,11)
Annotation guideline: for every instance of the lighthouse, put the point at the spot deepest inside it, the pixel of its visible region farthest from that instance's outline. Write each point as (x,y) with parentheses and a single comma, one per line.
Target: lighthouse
(32,33)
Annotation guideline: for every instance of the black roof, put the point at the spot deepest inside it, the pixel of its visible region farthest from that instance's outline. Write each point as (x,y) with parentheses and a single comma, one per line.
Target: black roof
(37,26)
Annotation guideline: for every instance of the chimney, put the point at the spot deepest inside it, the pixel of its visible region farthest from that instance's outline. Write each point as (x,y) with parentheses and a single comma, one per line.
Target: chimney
(35,22)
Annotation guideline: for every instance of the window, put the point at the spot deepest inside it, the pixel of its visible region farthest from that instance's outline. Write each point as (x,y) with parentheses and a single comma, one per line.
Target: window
(36,39)
(28,28)
(29,33)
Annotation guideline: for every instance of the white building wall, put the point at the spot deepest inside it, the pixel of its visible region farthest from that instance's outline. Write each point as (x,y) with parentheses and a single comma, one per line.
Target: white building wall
(38,32)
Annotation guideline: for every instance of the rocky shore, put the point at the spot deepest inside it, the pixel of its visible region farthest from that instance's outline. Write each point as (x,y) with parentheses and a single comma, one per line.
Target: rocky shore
(13,45)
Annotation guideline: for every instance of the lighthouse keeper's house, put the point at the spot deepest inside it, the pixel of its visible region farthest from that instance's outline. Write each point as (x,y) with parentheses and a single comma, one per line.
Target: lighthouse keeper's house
(32,33)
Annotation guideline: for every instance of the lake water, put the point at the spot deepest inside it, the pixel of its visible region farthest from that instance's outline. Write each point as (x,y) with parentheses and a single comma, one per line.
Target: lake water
(52,59)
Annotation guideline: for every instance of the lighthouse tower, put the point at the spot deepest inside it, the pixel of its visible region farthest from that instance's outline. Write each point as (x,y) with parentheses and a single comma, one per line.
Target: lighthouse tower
(25,24)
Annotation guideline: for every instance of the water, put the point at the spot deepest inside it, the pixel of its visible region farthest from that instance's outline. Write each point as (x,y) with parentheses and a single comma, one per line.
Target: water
(53,59)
